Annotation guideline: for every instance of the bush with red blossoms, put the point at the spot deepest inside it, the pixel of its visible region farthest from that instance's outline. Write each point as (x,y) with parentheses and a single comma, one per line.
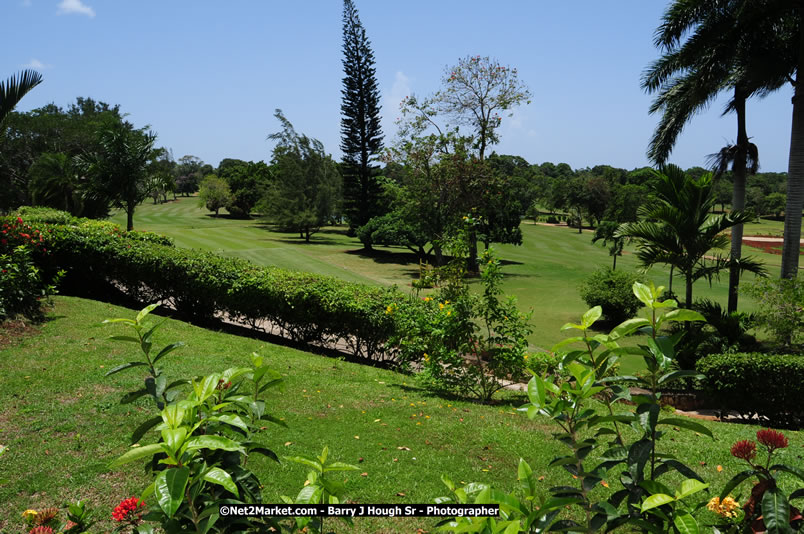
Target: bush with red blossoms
(768,507)
(129,510)
(744,450)
(772,439)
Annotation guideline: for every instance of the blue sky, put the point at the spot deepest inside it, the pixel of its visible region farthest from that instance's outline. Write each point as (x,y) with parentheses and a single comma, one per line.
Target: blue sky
(207,75)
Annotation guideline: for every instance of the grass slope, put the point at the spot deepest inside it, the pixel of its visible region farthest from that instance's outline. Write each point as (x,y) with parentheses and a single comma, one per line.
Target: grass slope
(62,423)
(544,273)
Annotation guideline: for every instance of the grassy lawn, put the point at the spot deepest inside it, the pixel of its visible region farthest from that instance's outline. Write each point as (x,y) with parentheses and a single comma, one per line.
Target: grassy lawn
(62,423)
(544,273)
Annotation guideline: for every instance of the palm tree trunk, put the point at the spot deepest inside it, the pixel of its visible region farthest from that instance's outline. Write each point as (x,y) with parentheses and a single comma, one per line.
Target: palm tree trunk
(688,293)
(737,200)
(130,206)
(795,170)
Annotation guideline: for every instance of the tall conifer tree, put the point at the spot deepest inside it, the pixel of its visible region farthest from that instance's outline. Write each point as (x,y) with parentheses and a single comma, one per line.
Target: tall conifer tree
(361,135)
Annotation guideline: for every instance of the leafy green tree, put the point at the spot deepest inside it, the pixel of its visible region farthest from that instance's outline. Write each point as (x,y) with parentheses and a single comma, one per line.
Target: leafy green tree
(51,129)
(214,193)
(677,229)
(361,135)
(54,182)
(119,168)
(775,203)
(189,173)
(16,87)
(306,187)
(475,91)
(247,182)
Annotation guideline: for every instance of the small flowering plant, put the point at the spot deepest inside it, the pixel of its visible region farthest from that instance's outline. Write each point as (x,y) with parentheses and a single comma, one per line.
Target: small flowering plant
(128,513)
(768,507)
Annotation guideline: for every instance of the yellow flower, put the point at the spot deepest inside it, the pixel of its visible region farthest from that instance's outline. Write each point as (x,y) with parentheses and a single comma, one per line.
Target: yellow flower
(427,299)
(426,357)
(29,515)
(440,305)
(726,508)
(449,313)
(526,356)
(389,310)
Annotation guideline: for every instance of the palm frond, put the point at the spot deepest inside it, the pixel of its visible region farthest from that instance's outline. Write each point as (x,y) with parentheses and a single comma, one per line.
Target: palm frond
(13,89)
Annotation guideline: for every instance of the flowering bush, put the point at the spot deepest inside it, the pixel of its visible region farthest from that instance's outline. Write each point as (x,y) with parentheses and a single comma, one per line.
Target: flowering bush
(768,507)
(23,290)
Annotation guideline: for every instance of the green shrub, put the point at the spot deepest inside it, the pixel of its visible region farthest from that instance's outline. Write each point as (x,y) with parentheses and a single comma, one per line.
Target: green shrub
(41,214)
(22,290)
(769,386)
(145,266)
(612,291)
(780,308)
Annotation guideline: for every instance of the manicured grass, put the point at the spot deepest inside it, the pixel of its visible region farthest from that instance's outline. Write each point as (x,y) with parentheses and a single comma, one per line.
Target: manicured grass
(63,424)
(544,273)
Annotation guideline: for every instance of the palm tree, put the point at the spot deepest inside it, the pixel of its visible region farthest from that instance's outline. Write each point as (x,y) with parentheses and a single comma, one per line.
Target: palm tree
(718,54)
(677,229)
(12,91)
(606,231)
(119,168)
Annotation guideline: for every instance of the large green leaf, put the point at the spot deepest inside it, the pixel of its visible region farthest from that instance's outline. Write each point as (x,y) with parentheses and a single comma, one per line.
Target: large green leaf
(123,367)
(216,475)
(145,311)
(654,501)
(690,487)
(136,453)
(147,425)
(591,316)
(776,512)
(169,489)
(736,480)
(167,350)
(685,523)
(687,423)
(213,443)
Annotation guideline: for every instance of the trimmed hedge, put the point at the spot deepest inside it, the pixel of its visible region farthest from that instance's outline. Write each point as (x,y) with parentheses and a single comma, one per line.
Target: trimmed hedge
(770,386)
(200,285)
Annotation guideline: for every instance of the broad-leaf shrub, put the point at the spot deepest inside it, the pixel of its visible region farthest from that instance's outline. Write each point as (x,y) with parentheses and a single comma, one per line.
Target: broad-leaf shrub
(770,386)
(611,290)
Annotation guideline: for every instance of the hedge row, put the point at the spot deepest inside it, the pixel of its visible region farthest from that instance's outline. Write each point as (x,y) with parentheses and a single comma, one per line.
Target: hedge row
(769,386)
(200,285)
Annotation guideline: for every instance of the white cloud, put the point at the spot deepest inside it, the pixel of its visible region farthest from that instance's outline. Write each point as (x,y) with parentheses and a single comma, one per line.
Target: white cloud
(36,64)
(67,7)
(390,105)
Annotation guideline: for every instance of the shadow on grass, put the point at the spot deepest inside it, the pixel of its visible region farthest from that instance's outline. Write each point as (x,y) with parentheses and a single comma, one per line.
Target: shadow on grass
(511,399)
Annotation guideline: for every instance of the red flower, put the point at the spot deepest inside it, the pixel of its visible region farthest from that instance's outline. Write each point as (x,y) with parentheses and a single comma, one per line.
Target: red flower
(19,220)
(772,439)
(745,450)
(129,510)
(41,530)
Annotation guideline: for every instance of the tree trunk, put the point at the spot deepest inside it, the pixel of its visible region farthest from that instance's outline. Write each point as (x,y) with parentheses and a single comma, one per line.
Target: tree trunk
(439,255)
(130,206)
(471,261)
(614,264)
(737,201)
(688,293)
(670,287)
(795,171)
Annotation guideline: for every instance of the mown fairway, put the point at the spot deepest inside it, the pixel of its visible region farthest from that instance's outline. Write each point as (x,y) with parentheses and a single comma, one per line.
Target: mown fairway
(62,423)
(544,273)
